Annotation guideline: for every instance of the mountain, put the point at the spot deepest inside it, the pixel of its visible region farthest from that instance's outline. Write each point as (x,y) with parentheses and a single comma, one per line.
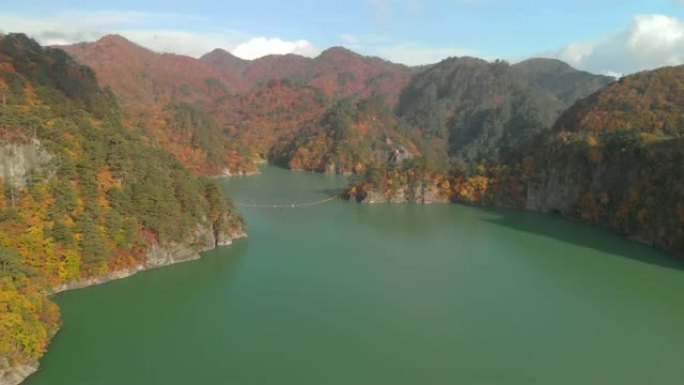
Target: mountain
(152,87)
(246,106)
(262,117)
(566,83)
(85,198)
(230,67)
(648,102)
(143,79)
(483,111)
(615,159)
(353,135)
(337,71)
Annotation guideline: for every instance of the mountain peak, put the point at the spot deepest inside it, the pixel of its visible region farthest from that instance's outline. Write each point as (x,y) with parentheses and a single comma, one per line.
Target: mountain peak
(219,57)
(114,39)
(220,52)
(338,52)
(539,64)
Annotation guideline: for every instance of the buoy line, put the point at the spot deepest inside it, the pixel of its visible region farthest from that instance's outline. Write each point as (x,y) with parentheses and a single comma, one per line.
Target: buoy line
(284,205)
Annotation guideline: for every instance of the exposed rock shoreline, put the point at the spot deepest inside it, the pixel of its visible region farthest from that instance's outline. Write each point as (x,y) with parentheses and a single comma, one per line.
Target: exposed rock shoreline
(158,256)
(228,173)
(204,239)
(404,194)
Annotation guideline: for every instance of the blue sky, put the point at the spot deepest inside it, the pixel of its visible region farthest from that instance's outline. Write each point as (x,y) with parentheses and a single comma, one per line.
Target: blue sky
(607,36)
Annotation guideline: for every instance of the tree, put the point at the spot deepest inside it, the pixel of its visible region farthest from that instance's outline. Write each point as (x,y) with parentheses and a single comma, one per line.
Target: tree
(11,264)
(93,246)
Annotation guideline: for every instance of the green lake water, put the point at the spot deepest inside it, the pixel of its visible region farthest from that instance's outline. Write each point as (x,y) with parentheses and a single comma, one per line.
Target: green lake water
(349,294)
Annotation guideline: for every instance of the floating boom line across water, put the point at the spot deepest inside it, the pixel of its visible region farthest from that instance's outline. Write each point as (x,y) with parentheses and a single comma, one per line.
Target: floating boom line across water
(285,205)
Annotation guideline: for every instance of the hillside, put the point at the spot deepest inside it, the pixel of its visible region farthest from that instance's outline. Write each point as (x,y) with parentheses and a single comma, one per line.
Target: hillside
(649,102)
(337,71)
(351,136)
(614,159)
(85,199)
(246,107)
(566,83)
(150,87)
(483,110)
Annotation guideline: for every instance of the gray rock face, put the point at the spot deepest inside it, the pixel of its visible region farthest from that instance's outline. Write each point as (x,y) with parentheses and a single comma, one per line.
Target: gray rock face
(406,194)
(552,192)
(14,375)
(18,160)
(399,155)
(163,255)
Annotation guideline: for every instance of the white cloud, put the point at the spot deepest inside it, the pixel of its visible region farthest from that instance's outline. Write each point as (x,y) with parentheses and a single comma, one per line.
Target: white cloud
(261,46)
(156,31)
(616,75)
(576,52)
(651,41)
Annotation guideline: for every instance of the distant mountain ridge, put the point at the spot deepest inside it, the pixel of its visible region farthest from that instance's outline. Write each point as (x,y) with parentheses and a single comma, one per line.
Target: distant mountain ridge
(466,109)
(247,104)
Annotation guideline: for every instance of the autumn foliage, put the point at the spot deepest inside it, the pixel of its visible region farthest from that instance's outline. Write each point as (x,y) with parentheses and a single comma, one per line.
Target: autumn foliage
(102,196)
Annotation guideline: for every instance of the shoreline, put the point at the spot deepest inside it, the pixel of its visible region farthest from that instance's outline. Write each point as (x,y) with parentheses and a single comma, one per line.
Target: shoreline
(157,257)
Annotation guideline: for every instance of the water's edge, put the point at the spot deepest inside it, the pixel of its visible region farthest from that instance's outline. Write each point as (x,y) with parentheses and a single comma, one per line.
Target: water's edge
(157,257)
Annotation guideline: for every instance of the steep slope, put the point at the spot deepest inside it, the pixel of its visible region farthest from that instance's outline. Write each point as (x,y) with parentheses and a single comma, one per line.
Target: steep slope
(616,159)
(229,66)
(649,102)
(150,86)
(351,136)
(568,84)
(337,71)
(291,93)
(264,116)
(483,110)
(144,79)
(247,105)
(85,200)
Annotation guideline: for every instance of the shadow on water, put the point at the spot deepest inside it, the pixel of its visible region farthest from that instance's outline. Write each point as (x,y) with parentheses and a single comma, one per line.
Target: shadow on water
(592,237)
(406,219)
(225,260)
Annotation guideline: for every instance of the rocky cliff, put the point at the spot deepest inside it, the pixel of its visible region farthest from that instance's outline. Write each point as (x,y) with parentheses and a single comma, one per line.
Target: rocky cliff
(18,160)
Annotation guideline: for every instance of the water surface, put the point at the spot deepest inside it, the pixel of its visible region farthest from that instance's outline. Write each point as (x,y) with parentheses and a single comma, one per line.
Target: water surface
(343,293)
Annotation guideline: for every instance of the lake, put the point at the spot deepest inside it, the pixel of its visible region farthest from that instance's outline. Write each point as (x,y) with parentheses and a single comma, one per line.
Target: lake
(343,293)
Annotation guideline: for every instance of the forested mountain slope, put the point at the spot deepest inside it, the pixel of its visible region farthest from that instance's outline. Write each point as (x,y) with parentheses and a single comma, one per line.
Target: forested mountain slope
(83,196)
(614,159)
(484,110)
(169,97)
(566,83)
(232,111)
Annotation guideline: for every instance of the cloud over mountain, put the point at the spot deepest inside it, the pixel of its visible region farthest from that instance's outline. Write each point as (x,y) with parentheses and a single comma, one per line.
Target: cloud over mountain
(158,31)
(261,46)
(650,41)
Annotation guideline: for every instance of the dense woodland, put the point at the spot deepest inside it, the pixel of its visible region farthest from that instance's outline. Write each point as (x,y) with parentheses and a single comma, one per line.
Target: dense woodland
(100,195)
